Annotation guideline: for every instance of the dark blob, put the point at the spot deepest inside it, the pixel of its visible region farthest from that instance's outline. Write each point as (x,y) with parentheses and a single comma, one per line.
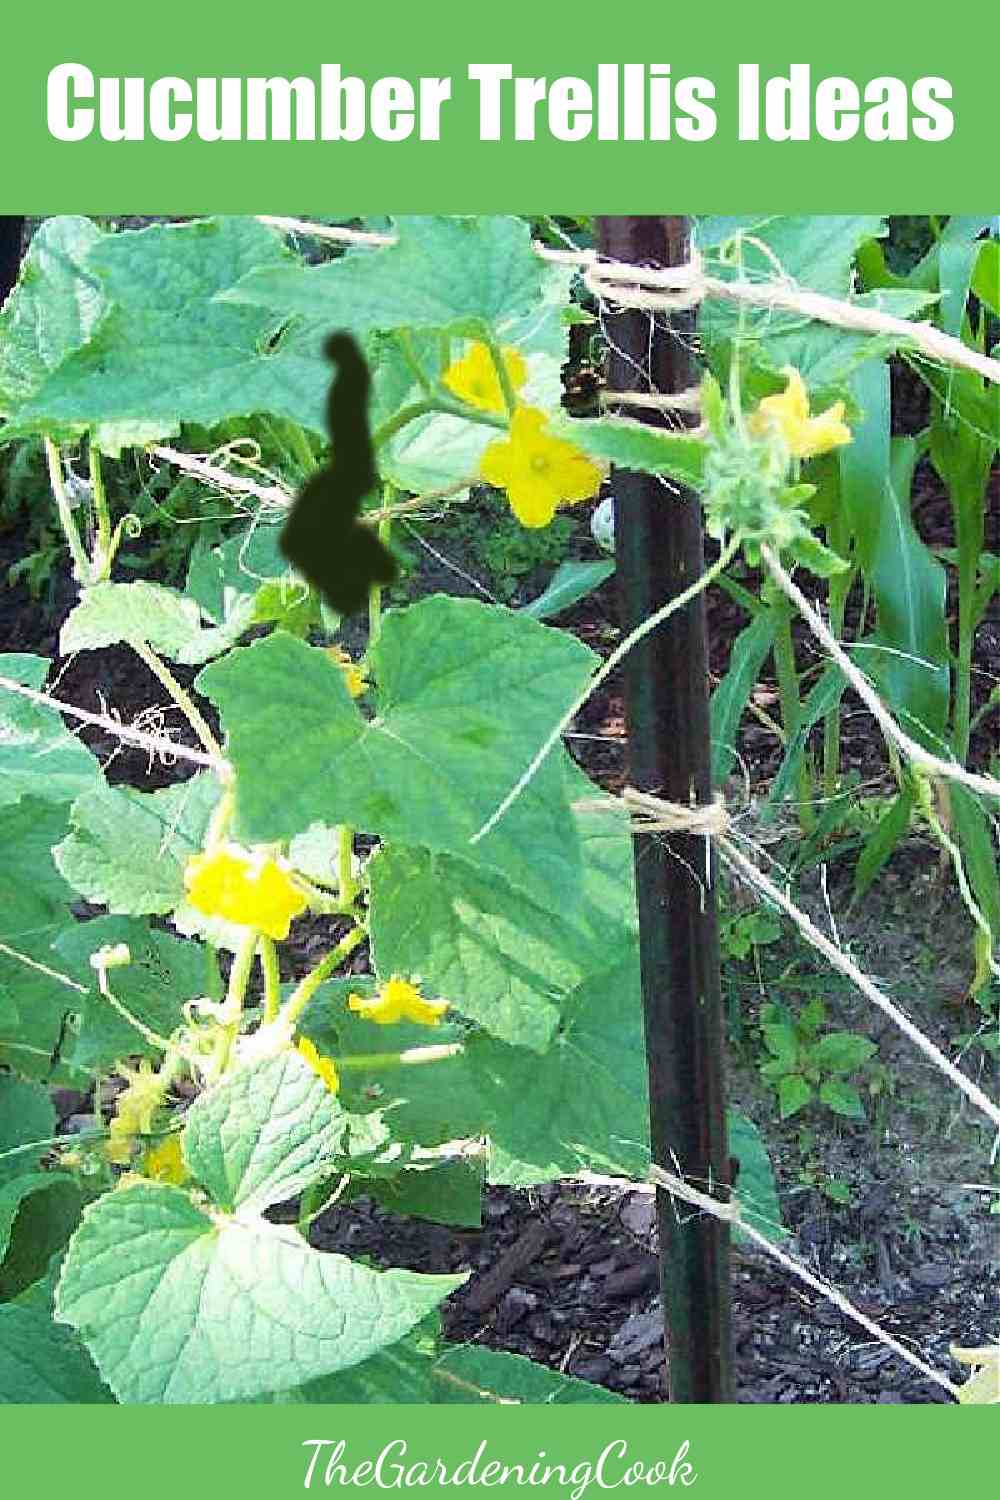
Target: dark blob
(11,232)
(323,537)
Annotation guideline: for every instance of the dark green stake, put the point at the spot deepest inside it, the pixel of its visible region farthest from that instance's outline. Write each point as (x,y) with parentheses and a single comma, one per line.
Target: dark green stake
(658,546)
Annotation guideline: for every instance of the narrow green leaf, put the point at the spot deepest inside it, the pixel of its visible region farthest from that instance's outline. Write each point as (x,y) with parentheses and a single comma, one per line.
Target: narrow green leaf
(571,582)
(881,843)
(731,697)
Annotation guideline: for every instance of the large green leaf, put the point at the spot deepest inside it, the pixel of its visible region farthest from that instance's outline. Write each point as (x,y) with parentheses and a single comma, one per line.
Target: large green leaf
(39,757)
(471,1375)
(263,1134)
(141,612)
(54,309)
(581,1104)
(127,850)
(448,1192)
(500,958)
(44,1216)
(164,974)
(42,1363)
(214,1308)
(26,1115)
(815,252)
(465,694)
(422,1369)
(167,352)
(448,273)
(35,997)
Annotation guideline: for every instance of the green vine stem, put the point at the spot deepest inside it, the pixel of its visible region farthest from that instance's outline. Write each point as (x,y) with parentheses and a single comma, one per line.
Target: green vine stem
(231,1012)
(272,978)
(104,542)
(239,978)
(184,702)
(404,341)
(57,480)
(435,404)
(347,886)
(411,1057)
(375,592)
(307,987)
(496,355)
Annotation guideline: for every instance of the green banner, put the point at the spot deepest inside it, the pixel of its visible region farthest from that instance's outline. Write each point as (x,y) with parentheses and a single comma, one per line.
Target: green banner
(567,1454)
(514,108)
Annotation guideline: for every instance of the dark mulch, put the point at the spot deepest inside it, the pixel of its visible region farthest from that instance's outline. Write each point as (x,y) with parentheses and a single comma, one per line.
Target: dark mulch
(567,1275)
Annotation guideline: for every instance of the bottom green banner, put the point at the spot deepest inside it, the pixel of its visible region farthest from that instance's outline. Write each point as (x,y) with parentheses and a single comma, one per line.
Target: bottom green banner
(570,1454)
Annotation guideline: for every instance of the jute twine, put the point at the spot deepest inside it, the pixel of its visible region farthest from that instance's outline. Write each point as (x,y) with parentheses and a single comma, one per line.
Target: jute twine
(648,814)
(155,744)
(729,1213)
(674,288)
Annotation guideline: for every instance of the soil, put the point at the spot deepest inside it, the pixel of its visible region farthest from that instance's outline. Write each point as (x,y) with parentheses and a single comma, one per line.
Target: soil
(915,1245)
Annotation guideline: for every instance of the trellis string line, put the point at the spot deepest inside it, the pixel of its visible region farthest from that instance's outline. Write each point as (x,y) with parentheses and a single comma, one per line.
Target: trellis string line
(729,1213)
(649,813)
(686,286)
(339,234)
(679,287)
(212,475)
(277,496)
(839,960)
(951,770)
(659,617)
(158,744)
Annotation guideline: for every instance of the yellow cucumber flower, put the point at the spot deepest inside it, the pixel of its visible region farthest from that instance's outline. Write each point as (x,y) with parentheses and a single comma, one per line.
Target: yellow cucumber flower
(788,415)
(251,889)
(983,1387)
(355,677)
(164,1162)
(398,1000)
(538,471)
(474,378)
(323,1067)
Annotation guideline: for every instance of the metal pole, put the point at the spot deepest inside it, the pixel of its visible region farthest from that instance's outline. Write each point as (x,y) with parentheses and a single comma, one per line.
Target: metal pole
(659,551)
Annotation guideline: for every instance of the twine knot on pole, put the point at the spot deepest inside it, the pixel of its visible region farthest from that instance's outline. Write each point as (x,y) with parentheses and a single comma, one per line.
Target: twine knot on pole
(665,288)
